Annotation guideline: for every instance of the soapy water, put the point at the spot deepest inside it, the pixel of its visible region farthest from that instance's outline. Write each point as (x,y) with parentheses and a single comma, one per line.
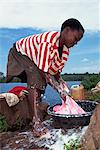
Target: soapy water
(55,139)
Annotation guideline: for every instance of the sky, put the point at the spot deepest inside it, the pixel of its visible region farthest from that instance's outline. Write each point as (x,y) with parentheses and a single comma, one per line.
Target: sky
(20,18)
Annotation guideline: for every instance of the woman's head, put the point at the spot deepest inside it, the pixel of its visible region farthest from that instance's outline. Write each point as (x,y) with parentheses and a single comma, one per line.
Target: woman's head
(71,32)
(73,24)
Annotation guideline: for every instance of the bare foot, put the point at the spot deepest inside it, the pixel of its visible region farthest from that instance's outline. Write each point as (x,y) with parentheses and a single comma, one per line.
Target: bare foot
(39,129)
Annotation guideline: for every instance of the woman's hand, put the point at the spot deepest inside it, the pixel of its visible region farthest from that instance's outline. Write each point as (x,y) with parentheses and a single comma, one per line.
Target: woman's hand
(64,85)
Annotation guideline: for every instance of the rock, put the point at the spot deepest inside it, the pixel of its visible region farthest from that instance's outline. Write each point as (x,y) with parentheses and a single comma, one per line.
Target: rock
(18,141)
(19,113)
(97,88)
(91,139)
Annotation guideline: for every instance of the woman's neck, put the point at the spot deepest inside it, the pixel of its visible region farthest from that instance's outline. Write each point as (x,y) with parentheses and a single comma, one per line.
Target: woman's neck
(60,48)
(61,40)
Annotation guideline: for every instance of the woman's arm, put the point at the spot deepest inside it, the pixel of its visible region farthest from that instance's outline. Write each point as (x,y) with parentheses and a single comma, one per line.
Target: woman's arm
(59,85)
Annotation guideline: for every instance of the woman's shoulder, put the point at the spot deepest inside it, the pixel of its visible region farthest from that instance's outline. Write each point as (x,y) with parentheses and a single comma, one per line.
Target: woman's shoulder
(50,36)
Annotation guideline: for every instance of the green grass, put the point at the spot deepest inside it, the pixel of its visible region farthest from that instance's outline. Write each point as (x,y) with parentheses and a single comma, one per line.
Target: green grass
(3,124)
(4,127)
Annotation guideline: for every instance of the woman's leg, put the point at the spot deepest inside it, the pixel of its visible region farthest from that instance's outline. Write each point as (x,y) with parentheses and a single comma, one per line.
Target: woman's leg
(35,99)
(16,65)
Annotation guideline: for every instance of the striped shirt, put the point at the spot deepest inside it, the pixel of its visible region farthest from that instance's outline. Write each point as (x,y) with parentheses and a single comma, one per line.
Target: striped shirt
(42,49)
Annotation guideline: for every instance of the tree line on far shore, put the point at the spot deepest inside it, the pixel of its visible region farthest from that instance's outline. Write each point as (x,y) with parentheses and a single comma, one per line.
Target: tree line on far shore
(89,80)
(78,76)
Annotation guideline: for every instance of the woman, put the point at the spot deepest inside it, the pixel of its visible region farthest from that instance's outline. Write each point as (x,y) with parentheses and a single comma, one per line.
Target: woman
(39,59)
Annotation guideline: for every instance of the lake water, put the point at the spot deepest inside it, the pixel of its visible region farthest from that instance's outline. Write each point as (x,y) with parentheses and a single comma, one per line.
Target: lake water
(51,96)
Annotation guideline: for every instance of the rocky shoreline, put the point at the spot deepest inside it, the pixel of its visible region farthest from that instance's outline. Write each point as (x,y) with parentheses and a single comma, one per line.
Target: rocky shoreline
(56,139)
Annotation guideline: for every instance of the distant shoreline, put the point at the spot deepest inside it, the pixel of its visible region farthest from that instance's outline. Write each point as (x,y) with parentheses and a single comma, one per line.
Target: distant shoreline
(65,76)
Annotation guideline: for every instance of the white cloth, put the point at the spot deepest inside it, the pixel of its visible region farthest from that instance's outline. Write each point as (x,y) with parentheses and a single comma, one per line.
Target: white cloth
(11,98)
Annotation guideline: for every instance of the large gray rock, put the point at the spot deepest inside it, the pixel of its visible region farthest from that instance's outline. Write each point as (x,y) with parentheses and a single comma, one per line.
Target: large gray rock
(91,139)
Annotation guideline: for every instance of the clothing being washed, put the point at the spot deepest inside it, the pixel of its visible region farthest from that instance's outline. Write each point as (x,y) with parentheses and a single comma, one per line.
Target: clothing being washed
(68,106)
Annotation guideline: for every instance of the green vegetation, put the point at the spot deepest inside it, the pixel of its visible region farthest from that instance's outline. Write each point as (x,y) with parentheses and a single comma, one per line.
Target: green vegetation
(93,96)
(3,80)
(72,145)
(3,124)
(4,127)
(90,82)
(79,77)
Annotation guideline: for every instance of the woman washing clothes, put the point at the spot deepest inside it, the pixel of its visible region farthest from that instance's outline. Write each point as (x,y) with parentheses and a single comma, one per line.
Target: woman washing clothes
(39,59)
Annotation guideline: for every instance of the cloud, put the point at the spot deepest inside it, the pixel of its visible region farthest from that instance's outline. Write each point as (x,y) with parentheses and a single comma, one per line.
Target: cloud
(85,60)
(48,14)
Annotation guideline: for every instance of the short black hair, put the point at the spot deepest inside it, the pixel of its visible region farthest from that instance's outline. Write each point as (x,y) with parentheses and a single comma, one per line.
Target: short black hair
(73,24)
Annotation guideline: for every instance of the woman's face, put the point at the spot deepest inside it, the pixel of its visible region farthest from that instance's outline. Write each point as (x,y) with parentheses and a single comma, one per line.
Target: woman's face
(70,37)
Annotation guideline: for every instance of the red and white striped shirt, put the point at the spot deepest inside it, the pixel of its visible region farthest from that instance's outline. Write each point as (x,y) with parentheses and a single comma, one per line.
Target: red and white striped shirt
(42,49)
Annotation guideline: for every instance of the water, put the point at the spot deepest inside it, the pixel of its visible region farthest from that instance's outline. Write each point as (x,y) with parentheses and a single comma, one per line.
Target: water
(51,96)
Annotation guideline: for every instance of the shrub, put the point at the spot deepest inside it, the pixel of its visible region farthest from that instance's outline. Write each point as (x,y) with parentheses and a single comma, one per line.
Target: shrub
(90,82)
